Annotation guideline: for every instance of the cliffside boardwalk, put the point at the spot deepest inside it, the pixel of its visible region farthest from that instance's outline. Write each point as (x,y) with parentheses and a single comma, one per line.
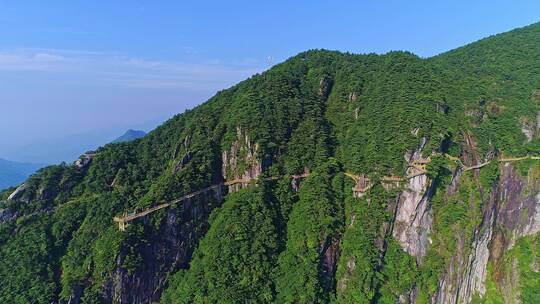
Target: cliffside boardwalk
(362,184)
(124,220)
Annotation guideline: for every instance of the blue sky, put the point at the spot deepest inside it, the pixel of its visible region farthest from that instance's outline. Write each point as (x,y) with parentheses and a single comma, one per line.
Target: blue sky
(69,67)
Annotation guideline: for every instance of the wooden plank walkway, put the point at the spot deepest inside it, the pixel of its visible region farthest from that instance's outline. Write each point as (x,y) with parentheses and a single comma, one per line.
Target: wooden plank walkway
(124,220)
(365,182)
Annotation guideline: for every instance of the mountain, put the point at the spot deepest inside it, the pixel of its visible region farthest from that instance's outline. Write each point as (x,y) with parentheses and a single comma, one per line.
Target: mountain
(330,178)
(129,136)
(68,148)
(14,173)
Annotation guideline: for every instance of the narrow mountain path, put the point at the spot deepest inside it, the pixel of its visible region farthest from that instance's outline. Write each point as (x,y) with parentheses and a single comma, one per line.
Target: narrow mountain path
(362,184)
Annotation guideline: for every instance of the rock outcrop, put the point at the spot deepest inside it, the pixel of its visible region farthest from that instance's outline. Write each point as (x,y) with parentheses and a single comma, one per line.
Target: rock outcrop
(413,215)
(183,162)
(18,193)
(531,127)
(325,86)
(85,160)
(512,208)
(7,215)
(164,253)
(329,254)
(241,161)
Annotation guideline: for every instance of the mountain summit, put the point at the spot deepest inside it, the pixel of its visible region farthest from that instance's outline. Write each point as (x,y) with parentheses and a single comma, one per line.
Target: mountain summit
(129,136)
(330,178)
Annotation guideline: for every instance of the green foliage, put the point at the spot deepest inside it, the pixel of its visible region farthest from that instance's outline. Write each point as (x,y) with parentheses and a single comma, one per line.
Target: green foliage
(493,294)
(321,111)
(366,273)
(519,268)
(489,175)
(399,273)
(93,246)
(527,253)
(235,259)
(314,220)
(437,167)
(455,218)
(357,276)
(28,264)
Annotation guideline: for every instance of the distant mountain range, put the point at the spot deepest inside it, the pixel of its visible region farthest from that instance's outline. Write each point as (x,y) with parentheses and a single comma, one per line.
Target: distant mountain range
(129,136)
(13,173)
(69,148)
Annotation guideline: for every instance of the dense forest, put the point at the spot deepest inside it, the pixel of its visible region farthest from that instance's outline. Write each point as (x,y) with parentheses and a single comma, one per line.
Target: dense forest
(447,235)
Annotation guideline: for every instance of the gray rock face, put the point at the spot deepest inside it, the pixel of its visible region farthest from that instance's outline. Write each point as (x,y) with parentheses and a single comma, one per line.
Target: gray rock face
(413,216)
(6,215)
(84,160)
(241,161)
(325,86)
(183,162)
(531,128)
(329,253)
(513,207)
(519,210)
(164,253)
(466,274)
(18,193)
(352,97)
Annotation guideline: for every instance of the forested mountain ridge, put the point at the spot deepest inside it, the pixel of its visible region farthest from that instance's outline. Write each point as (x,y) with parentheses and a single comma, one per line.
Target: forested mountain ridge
(448,235)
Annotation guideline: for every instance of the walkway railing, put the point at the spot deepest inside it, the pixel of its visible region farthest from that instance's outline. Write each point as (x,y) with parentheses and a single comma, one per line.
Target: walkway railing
(362,184)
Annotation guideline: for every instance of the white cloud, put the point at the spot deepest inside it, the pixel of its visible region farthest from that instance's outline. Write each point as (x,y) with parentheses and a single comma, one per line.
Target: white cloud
(30,61)
(117,70)
(44,57)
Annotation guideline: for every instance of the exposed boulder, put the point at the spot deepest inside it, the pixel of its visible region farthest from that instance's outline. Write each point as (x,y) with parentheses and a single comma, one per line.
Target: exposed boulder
(325,86)
(352,97)
(530,127)
(329,254)
(18,193)
(535,96)
(182,144)
(85,159)
(7,215)
(443,108)
(183,162)
(357,112)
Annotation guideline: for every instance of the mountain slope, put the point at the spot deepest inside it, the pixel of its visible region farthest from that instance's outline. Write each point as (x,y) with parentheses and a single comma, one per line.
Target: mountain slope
(381,178)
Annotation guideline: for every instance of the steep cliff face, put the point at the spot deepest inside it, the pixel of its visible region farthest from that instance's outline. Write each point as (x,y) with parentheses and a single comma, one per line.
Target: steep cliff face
(413,217)
(510,212)
(412,222)
(167,250)
(242,160)
(329,255)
